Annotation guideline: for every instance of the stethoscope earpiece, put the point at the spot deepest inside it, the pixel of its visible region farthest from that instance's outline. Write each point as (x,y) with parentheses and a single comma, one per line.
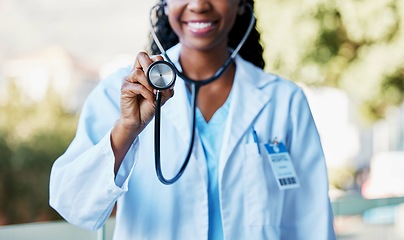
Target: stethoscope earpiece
(161,75)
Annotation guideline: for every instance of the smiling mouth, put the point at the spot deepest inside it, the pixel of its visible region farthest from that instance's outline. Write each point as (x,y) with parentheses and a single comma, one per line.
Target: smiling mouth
(200,25)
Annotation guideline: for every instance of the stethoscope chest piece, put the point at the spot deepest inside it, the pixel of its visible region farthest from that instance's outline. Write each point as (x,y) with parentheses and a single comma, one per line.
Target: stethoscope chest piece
(161,75)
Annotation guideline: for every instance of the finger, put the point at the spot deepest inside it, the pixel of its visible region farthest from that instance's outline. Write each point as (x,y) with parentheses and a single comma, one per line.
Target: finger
(167,94)
(132,90)
(138,76)
(142,61)
(155,58)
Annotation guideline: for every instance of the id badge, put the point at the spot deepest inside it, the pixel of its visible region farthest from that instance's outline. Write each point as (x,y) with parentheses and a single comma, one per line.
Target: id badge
(282,166)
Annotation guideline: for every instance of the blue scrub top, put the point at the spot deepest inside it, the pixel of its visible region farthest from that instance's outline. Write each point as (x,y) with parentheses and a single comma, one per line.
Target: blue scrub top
(211,135)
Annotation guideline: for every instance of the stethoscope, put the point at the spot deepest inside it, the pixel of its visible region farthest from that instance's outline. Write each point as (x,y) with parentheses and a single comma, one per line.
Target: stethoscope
(162,74)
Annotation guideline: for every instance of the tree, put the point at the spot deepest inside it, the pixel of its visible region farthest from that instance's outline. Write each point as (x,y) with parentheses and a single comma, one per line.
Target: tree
(32,136)
(353,45)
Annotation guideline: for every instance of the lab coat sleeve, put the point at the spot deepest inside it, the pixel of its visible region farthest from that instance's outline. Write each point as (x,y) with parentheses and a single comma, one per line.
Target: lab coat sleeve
(83,186)
(307,211)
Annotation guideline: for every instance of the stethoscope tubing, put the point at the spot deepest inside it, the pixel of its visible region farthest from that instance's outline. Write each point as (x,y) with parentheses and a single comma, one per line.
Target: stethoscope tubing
(196,84)
(157,128)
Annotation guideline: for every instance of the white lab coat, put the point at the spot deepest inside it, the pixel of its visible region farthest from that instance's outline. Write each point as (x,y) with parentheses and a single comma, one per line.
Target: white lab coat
(83,188)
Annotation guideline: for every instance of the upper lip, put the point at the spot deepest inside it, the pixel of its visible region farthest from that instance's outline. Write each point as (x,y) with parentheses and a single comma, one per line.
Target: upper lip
(200,21)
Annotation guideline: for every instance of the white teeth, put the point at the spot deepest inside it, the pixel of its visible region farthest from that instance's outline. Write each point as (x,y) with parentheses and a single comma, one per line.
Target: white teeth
(199,25)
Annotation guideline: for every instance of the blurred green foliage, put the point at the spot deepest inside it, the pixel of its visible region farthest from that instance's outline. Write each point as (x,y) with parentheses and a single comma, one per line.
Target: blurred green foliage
(356,45)
(32,136)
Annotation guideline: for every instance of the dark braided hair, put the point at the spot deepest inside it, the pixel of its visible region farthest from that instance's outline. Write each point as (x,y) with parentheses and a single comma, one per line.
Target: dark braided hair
(251,51)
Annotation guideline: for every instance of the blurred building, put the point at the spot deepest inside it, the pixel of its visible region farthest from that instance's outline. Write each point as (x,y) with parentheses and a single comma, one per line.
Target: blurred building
(67,46)
(374,151)
(386,176)
(338,126)
(50,69)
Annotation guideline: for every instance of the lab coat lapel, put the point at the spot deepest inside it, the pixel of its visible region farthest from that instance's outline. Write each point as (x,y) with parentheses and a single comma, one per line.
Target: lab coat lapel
(248,99)
(178,111)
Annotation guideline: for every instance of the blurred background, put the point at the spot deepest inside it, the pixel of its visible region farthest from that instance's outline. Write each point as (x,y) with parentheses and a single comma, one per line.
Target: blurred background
(348,56)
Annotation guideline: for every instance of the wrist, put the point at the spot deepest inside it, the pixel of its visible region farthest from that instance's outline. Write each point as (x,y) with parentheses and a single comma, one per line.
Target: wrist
(123,133)
(122,137)
(128,127)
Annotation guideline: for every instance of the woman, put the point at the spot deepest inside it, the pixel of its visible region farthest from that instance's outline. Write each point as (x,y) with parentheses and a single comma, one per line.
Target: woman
(231,188)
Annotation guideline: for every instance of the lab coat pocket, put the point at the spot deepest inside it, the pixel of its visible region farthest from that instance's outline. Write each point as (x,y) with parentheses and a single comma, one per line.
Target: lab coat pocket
(263,197)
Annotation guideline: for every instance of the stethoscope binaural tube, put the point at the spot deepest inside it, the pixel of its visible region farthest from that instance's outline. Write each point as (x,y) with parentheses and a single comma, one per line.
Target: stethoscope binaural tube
(162,74)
